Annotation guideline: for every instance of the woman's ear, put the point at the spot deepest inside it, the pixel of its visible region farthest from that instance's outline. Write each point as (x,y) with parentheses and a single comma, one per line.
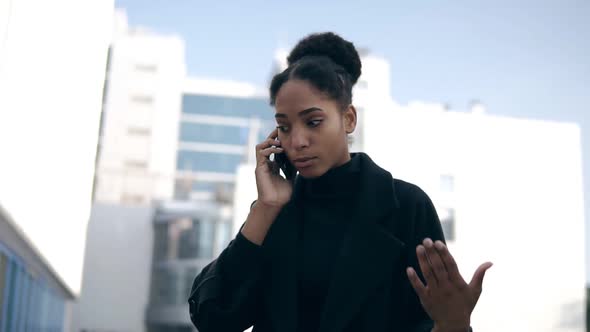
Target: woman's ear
(349,118)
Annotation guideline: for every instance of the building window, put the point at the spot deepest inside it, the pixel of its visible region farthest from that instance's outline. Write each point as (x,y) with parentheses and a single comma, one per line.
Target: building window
(210,133)
(208,161)
(362,84)
(132,199)
(142,99)
(447,183)
(447,221)
(3,270)
(137,164)
(146,68)
(139,131)
(227,106)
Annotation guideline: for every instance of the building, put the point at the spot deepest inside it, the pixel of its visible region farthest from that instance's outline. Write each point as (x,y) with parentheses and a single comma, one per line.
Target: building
(506,190)
(140,119)
(219,119)
(165,136)
(187,236)
(32,294)
(52,67)
(117,269)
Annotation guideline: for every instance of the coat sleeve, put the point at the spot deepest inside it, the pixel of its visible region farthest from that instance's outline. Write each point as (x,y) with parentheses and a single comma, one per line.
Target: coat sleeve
(425,224)
(224,296)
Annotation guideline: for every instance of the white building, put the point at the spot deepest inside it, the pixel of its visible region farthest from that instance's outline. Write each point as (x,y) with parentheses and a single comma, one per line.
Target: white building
(117,270)
(139,128)
(508,191)
(53,56)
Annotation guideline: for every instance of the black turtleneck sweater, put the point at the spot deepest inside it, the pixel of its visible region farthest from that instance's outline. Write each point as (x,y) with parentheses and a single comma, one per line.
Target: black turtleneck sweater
(324,217)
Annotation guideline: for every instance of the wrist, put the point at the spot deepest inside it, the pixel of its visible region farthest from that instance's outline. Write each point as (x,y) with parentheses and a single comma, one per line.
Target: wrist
(265,206)
(258,222)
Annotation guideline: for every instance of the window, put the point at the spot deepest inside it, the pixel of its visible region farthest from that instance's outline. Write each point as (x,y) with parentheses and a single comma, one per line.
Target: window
(209,133)
(3,280)
(11,298)
(227,106)
(138,131)
(137,164)
(222,236)
(208,161)
(142,99)
(447,183)
(447,220)
(362,84)
(146,68)
(132,199)
(184,238)
(166,285)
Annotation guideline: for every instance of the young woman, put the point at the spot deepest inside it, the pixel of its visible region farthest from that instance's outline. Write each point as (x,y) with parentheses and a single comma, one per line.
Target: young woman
(343,247)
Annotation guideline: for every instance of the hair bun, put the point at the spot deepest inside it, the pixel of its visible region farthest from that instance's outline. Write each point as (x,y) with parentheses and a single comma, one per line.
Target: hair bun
(329,44)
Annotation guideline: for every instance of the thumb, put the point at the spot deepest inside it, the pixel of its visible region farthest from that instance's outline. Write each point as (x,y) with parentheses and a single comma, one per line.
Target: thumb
(477,280)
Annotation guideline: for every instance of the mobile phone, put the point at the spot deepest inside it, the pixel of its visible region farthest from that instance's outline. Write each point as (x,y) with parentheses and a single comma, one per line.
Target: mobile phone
(285,165)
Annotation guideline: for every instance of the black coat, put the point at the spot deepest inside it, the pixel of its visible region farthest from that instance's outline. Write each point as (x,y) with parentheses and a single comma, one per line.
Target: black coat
(369,290)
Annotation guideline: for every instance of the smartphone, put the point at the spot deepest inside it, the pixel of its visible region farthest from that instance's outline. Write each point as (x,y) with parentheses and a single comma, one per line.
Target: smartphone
(286,166)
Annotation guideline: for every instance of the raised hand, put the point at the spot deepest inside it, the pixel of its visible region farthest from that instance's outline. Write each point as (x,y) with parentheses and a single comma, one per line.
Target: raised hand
(446,297)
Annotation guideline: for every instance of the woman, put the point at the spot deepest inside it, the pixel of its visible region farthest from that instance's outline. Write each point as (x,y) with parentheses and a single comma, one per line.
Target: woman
(343,247)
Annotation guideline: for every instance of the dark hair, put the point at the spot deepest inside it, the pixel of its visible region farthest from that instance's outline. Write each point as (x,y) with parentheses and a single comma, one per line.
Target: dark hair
(325,60)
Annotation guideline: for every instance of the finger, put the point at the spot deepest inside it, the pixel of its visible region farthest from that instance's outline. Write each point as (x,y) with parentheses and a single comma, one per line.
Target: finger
(425,265)
(265,149)
(438,268)
(268,142)
(416,283)
(450,264)
(477,280)
(265,153)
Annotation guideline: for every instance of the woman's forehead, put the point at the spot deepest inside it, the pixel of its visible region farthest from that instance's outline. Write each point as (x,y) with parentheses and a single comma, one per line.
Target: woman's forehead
(296,96)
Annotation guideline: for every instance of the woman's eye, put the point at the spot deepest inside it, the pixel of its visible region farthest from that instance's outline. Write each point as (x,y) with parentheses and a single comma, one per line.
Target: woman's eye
(314,123)
(283,129)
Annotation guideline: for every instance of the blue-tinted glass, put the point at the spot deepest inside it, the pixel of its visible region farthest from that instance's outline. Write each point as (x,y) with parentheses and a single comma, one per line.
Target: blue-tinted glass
(208,161)
(24,294)
(227,106)
(12,298)
(212,186)
(208,133)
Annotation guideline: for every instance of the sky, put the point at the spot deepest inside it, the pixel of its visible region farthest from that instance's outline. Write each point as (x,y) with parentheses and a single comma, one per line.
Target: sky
(522,58)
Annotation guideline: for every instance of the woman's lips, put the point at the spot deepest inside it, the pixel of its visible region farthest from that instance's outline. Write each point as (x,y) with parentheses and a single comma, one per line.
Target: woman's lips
(300,163)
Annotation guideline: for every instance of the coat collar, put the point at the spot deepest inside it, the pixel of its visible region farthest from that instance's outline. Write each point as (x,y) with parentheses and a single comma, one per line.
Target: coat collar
(367,254)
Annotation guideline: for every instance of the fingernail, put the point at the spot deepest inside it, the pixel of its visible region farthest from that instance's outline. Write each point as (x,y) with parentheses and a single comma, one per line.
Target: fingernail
(439,245)
(427,242)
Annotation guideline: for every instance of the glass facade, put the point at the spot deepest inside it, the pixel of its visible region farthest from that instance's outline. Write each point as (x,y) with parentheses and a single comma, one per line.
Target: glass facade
(183,245)
(210,133)
(228,134)
(200,161)
(27,303)
(227,106)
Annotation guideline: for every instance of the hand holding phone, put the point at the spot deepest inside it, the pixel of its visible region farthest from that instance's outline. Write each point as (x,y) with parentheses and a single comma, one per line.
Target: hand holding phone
(285,165)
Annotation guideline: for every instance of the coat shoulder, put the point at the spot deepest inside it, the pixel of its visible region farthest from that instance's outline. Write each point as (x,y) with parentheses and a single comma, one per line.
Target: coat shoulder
(408,193)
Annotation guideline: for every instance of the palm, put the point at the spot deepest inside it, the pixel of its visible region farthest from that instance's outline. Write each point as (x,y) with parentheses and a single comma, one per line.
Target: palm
(272,188)
(446,297)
